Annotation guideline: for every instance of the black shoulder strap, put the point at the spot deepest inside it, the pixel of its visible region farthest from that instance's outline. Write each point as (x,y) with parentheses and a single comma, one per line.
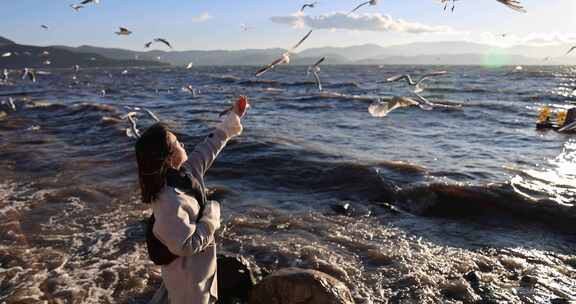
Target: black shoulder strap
(183,180)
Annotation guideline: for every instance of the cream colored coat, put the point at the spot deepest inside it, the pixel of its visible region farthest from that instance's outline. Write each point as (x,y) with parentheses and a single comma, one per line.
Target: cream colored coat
(191,278)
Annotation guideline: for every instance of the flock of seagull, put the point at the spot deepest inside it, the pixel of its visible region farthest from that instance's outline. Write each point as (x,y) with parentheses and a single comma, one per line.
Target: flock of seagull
(376,109)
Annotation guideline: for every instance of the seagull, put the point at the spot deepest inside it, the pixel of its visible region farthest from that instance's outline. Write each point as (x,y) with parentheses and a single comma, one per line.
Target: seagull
(381,109)
(546,58)
(570,50)
(7,54)
(76,68)
(285,57)
(123,31)
(371,2)
(513,4)
(147,44)
(163,41)
(76,7)
(133,131)
(5,75)
(124,72)
(30,73)
(244,27)
(310,5)
(44,26)
(189,66)
(45,53)
(10,104)
(315,69)
(152,115)
(47,62)
(190,89)
(417,87)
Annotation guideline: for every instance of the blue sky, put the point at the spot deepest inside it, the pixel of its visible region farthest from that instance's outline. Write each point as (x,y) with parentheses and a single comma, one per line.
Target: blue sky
(473,20)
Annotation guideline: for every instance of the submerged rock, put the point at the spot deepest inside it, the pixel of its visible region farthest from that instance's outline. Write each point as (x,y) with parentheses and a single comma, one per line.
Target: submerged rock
(295,285)
(236,278)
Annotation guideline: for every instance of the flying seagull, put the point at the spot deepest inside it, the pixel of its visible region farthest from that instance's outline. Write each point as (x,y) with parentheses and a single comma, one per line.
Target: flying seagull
(570,50)
(76,7)
(8,54)
(381,109)
(30,73)
(315,69)
(189,66)
(10,104)
(244,27)
(76,68)
(371,2)
(147,44)
(285,57)
(416,85)
(163,41)
(133,131)
(123,31)
(513,4)
(310,5)
(44,26)
(5,75)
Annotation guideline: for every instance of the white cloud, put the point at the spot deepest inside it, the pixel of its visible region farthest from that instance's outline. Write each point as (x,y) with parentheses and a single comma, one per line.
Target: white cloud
(202,17)
(365,22)
(532,39)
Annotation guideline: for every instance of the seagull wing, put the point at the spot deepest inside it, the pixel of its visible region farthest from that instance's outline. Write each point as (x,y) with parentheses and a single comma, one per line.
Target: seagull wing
(317,78)
(300,42)
(401,77)
(152,115)
(315,65)
(381,109)
(163,41)
(513,4)
(570,50)
(147,44)
(270,66)
(433,74)
(135,130)
(423,103)
(359,6)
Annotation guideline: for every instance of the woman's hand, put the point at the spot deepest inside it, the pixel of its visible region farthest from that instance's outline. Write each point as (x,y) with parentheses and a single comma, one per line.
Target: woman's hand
(231,125)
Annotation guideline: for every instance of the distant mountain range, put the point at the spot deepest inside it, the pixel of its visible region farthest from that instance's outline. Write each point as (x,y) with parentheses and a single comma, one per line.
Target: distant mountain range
(425,53)
(21,56)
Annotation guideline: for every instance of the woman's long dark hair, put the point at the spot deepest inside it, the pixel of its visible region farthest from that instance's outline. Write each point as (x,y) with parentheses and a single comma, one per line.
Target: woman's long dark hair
(152,151)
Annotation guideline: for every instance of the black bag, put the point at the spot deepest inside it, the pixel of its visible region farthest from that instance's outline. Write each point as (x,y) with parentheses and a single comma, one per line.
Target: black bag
(183,180)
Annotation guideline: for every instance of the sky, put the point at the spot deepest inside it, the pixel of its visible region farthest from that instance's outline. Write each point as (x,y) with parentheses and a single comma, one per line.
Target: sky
(216,24)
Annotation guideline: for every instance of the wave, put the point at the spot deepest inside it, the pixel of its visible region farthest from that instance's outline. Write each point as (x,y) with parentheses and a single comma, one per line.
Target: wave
(493,200)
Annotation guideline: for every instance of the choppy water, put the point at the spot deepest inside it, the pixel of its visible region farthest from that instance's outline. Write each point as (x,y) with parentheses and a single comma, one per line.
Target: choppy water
(435,194)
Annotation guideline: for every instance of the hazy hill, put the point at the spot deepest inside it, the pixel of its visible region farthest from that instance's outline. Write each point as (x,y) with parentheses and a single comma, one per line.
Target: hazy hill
(36,57)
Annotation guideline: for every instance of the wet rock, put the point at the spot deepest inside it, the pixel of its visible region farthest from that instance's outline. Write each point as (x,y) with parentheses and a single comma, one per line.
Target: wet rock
(571,262)
(528,281)
(295,285)
(473,279)
(236,278)
(561,301)
(351,209)
(460,290)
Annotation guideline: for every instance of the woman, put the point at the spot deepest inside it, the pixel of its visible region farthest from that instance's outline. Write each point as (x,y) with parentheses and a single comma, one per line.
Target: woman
(181,223)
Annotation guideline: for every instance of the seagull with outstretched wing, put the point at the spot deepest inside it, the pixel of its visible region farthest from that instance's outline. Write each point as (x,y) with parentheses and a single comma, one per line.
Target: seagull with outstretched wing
(310,5)
(123,31)
(315,70)
(371,2)
(285,58)
(416,85)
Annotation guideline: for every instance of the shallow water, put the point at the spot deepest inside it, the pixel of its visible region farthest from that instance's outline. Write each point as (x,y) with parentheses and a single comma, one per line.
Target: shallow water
(435,194)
